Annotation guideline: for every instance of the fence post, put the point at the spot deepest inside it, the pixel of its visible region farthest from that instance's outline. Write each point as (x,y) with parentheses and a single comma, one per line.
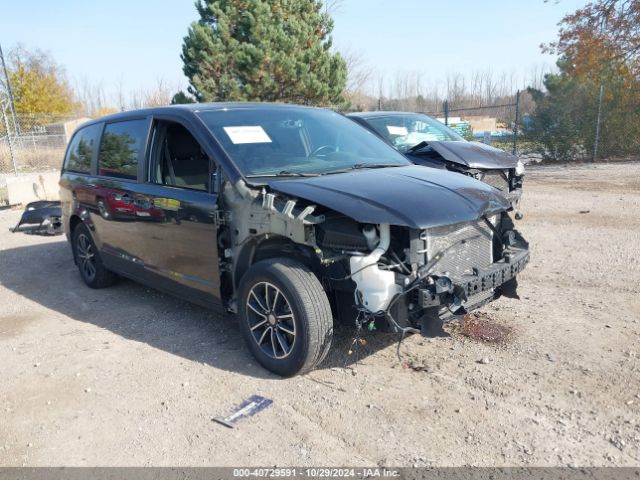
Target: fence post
(596,143)
(11,153)
(9,93)
(515,124)
(445,107)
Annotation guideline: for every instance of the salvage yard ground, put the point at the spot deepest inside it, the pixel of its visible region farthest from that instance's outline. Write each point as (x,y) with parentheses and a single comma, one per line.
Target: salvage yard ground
(128,376)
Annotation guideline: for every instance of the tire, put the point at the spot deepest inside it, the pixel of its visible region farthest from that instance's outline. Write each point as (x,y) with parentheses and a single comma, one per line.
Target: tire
(285,316)
(87,258)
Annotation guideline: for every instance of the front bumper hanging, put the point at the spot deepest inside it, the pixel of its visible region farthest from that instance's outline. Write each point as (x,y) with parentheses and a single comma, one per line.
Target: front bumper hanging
(490,278)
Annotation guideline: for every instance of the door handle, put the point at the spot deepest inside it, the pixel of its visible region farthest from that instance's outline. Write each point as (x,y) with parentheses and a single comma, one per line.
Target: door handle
(124,197)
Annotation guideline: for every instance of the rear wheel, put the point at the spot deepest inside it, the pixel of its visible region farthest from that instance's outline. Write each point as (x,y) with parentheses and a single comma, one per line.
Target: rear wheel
(88,260)
(285,315)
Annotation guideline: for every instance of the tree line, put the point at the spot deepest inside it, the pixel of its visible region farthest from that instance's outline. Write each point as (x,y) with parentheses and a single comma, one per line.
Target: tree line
(282,50)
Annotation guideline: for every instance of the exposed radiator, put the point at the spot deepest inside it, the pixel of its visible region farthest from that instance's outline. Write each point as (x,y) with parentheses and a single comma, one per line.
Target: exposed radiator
(498,179)
(467,246)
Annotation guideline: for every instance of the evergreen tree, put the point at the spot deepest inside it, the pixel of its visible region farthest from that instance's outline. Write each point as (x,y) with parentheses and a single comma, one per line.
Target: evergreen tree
(263,50)
(181,98)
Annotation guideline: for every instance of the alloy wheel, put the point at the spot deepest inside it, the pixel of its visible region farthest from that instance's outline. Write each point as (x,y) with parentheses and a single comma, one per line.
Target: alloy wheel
(271,320)
(86,257)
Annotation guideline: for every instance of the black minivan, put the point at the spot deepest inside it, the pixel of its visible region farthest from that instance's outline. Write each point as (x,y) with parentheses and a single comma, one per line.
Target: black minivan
(290,217)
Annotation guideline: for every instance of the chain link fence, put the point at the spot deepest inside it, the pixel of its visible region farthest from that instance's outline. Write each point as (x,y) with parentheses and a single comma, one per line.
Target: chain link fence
(497,125)
(588,130)
(595,130)
(33,143)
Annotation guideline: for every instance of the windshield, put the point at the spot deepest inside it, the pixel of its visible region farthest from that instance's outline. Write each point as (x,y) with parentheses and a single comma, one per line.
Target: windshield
(284,141)
(406,131)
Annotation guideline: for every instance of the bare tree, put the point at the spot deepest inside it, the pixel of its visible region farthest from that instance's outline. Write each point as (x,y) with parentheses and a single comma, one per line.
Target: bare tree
(119,93)
(90,95)
(456,87)
(360,72)
(535,76)
(332,6)
(159,95)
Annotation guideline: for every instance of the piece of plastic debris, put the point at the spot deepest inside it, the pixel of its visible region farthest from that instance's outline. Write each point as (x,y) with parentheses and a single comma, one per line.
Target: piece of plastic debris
(42,216)
(248,408)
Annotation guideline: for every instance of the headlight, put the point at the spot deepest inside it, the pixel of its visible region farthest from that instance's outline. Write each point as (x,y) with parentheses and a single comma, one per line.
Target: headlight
(520,168)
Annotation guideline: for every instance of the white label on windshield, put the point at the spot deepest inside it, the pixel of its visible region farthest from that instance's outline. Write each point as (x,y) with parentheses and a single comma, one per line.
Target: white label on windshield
(397,130)
(253,134)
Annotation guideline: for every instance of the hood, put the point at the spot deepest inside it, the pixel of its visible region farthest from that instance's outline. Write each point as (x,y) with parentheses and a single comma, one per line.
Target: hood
(473,155)
(412,196)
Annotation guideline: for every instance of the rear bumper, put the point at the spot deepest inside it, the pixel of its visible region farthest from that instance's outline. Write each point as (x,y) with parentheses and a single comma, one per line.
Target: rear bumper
(469,286)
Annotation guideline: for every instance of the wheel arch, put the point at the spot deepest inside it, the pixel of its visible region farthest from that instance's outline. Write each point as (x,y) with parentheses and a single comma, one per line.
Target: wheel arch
(268,246)
(74,221)
(82,217)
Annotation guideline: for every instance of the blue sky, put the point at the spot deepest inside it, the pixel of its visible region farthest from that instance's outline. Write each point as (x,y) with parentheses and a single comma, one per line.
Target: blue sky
(139,41)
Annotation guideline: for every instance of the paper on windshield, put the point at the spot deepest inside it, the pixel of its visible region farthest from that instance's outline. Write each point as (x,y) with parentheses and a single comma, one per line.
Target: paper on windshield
(397,130)
(247,134)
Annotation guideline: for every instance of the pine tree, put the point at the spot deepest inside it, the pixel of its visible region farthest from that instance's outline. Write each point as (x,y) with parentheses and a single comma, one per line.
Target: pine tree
(181,98)
(263,50)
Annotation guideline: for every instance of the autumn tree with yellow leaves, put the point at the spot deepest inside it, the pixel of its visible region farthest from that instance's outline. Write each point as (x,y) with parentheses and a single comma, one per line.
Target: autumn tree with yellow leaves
(38,83)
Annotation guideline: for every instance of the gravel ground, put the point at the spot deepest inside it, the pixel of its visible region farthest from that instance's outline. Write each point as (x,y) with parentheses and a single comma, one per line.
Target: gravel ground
(128,376)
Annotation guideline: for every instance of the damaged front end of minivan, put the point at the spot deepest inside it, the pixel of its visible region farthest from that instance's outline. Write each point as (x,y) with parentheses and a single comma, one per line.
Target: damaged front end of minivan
(384,260)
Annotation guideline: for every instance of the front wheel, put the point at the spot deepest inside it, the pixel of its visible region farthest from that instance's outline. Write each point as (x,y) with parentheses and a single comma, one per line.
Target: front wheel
(285,315)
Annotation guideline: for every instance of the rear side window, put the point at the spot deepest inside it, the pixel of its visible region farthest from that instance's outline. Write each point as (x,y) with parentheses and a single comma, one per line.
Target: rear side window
(81,150)
(121,147)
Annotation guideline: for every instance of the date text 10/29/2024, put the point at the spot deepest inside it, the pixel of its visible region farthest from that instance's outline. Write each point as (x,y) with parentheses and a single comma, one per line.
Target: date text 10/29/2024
(312,472)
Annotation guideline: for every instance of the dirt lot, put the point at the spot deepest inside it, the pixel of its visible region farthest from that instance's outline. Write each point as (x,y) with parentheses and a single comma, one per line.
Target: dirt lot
(128,376)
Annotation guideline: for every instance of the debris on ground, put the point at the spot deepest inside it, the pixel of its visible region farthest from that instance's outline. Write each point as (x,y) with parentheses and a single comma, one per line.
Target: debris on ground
(481,326)
(415,366)
(248,408)
(43,217)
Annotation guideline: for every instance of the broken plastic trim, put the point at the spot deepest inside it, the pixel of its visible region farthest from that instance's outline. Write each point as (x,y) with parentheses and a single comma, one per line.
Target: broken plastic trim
(43,213)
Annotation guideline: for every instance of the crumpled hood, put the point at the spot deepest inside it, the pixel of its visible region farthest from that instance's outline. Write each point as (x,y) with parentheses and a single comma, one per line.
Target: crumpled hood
(412,196)
(473,154)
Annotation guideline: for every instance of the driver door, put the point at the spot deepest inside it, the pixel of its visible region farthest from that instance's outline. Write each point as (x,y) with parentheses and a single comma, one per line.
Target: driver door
(177,211)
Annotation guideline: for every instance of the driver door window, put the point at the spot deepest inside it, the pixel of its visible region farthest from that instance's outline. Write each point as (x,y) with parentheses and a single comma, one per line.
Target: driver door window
(179,160)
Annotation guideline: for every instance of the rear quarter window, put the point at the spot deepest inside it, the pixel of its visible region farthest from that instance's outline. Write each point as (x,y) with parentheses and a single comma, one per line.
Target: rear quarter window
(80,151)
(121,148)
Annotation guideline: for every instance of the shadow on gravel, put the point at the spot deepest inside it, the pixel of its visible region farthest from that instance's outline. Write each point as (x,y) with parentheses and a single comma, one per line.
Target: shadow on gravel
(46,274)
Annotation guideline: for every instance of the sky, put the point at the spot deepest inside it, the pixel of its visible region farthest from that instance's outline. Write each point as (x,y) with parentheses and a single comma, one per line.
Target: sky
(138,42)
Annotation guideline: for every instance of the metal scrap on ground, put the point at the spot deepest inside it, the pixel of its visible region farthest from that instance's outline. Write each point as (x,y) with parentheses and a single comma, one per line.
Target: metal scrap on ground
(248,408)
